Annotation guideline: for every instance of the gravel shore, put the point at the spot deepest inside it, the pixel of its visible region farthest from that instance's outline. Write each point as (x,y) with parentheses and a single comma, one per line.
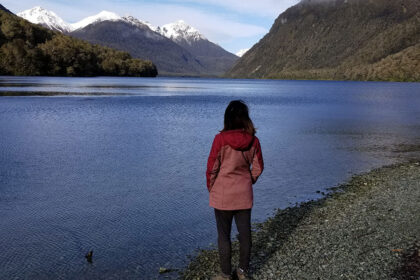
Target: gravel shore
(367,228)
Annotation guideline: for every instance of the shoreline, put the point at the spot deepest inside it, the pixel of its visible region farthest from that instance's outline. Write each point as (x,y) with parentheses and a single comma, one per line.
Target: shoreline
(365,228)
(55,93)
(224,77)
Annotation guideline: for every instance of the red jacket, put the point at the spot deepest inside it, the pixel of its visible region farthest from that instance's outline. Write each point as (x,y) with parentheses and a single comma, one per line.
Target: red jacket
(235,163)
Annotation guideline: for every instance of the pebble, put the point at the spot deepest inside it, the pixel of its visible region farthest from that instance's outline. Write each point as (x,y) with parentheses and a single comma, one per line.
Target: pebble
(360,230)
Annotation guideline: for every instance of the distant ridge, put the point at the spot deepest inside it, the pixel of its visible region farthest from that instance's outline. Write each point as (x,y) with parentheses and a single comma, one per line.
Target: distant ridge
(27,49)
(176,48)
(215,59)
(102,16)
(341,40)
(142,42)
(46,18)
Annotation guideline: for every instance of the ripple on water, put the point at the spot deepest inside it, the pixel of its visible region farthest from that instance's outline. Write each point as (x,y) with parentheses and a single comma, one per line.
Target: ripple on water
(124,175)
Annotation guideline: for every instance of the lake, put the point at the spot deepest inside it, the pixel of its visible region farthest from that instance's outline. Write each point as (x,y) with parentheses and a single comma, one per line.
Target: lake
(121,171)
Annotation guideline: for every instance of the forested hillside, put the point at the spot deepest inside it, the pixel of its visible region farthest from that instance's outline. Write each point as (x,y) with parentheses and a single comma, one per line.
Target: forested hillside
(341,40)
(29,49)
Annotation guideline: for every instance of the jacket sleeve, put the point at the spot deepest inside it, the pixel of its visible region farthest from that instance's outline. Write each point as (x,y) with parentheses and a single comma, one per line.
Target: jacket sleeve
(213,162)
(257,162)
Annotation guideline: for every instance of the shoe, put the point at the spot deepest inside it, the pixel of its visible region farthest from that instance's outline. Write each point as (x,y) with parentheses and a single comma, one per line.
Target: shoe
(241,274)
(221,276)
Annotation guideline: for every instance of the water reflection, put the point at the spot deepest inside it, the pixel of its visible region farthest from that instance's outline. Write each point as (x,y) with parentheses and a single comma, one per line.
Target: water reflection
(124,174)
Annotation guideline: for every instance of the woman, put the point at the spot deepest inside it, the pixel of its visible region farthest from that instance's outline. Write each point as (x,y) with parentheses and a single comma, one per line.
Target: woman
(234,164)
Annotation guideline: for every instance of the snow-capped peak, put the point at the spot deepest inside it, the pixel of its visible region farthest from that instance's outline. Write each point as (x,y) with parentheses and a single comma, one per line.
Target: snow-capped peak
(102,16)
(137,22)
(180,30)
(39,15)
(241,52)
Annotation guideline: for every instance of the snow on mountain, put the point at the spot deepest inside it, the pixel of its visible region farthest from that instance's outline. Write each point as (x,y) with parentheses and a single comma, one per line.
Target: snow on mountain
(148,29)
(137,22)
(46,18)
(49,19)
(102,16)
(240,53)
(180,30)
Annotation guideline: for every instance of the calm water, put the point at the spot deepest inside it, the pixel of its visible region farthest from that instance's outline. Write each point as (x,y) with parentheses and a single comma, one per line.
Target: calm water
(123,174)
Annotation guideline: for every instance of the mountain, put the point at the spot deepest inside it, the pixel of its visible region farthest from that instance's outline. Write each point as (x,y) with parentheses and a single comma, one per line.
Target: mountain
(28,49)
(176,48)
(50,20)
(141,41)
(214,58)
(102,16)
(45,18)
(137,22)
(180,31)
(341,40)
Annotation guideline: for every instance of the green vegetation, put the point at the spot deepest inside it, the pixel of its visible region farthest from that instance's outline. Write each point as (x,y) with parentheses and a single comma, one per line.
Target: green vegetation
(30,50)
(339,40)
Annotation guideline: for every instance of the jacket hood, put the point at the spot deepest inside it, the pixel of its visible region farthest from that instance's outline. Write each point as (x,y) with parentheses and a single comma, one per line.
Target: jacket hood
(238,139)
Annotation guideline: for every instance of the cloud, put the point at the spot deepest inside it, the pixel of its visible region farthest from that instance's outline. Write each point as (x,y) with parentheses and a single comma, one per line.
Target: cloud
(234,24)
(233,8)
(217,27)
(270,8)
(241,52)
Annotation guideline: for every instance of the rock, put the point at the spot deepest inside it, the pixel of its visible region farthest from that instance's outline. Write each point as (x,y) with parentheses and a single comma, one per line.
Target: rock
(163,270)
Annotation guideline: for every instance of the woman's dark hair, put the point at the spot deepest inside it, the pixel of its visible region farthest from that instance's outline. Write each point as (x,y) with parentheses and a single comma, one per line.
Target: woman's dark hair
(237,117)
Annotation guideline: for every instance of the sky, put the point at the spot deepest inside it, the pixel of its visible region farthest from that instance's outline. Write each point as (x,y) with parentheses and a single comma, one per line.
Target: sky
(233,24)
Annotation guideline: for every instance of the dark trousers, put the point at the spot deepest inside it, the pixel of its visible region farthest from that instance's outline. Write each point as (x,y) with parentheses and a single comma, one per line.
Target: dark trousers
(224,225)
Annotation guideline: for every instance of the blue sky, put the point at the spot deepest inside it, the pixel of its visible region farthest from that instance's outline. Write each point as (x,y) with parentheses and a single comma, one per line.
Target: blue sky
(233,24)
